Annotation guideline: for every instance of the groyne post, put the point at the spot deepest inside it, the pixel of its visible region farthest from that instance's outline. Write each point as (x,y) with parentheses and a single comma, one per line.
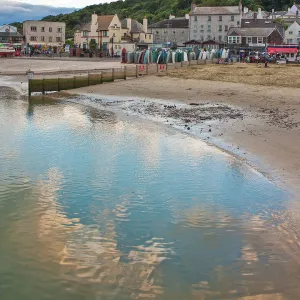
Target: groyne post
(43,86)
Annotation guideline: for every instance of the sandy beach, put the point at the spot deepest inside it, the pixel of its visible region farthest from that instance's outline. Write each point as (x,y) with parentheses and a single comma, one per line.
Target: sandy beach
(262,128)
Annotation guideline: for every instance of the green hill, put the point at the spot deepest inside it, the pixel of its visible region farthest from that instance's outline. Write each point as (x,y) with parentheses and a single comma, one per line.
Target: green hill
(155,10)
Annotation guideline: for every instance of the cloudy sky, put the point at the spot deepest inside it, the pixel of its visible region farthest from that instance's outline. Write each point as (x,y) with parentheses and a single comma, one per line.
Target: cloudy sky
(21,10)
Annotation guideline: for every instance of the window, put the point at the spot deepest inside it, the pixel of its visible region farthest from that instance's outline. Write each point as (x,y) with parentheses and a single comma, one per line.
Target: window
(84,33)
(50,29)
(208,28)
(234,40)
(33,28)
(290,32)
(50,39)
(59,29)
(209,18)
(220,27)
(202,26)
(226,27)
(220,18)
(42,29)
(232,18)
(33,38)
(260,40)
(58,39)
(238,23)
(208,37)
(249,40)
(195,18)
(201,38)
(42,38)
(195,31)
(220,38)
(105,33)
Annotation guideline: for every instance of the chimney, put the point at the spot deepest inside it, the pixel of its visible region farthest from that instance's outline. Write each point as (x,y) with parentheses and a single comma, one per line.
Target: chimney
(145,25)
(255,17)
(193,6)
(94,19)
(171,17)
(129,24)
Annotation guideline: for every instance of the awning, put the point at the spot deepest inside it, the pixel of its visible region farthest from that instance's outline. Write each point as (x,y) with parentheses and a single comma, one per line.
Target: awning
(282,50)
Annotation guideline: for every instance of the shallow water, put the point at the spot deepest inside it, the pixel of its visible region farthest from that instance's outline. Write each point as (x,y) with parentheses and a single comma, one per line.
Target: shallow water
(97,205)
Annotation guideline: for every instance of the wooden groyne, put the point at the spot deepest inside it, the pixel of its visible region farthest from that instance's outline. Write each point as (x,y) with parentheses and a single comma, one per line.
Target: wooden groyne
(109,75)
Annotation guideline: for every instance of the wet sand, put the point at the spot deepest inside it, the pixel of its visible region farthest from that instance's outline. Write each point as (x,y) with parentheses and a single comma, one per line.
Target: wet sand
(263,126)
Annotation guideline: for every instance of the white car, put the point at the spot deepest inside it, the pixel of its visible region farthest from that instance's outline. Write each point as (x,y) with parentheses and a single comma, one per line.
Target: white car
(281,61)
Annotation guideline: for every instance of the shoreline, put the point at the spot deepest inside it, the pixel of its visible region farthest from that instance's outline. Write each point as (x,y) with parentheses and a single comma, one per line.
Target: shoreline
(266,135)
(263,131)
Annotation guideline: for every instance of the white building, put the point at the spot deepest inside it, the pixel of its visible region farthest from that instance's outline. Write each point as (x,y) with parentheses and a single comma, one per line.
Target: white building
(44,33)
(292,34)
(213,23)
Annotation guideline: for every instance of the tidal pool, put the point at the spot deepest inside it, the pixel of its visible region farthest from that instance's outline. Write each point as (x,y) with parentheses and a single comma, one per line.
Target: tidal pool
(97,205)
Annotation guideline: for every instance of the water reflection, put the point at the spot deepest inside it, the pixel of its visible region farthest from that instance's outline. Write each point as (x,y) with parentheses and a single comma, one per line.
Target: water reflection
(98,206)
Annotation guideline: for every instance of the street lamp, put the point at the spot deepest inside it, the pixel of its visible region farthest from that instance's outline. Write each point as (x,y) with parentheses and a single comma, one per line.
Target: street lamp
(112,41)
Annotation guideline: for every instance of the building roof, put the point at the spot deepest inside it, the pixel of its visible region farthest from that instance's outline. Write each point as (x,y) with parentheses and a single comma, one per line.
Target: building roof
(48,22)
(11,34)
(172,23)
(104,21)
(136,27)
(85,27)
(216,10)
(262,23)
(192,42)
(261,32)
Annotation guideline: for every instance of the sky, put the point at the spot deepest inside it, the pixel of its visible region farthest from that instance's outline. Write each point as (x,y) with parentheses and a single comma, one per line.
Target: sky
(59,3)
(21,10)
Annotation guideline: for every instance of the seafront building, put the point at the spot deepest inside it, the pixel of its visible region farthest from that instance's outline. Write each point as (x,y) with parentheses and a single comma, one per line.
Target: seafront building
(252,39)
(172,31)
(292,34)
(110,35)
(213,23)
(44,34)
(10,35)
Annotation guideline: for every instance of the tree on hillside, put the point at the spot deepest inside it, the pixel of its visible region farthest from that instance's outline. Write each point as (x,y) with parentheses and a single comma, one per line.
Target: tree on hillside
(155,10)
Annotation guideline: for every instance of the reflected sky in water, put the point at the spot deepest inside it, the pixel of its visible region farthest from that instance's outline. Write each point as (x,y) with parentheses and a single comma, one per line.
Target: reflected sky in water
(99,206)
